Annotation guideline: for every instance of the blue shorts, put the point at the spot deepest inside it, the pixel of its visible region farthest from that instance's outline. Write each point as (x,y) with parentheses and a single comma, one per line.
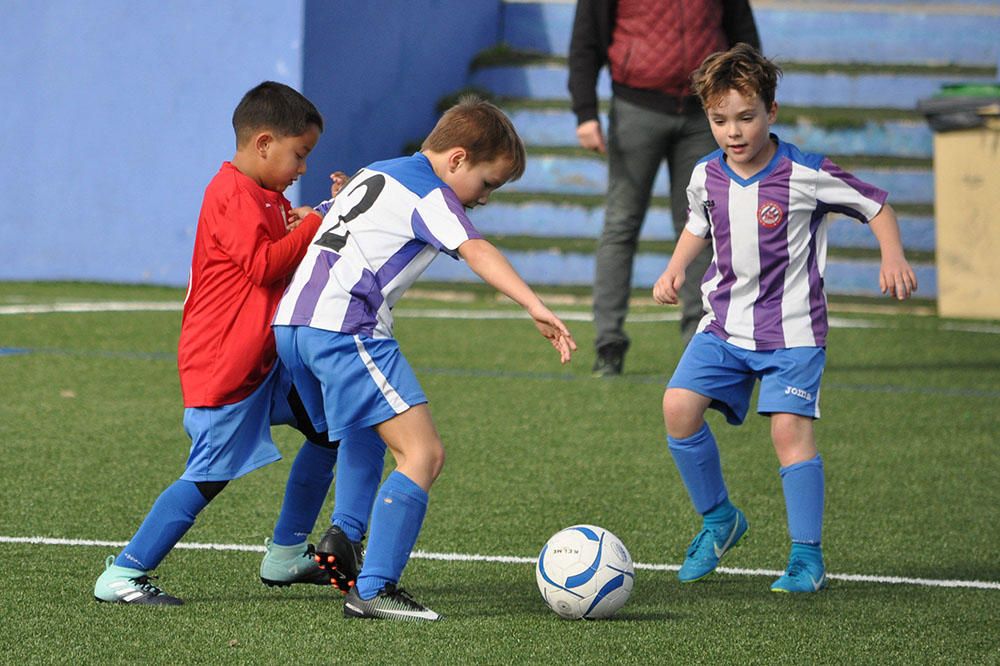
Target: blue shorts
(347,382)
(789,378)
(230,441)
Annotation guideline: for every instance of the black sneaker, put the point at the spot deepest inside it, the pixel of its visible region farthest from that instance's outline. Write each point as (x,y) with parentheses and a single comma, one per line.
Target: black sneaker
(610,359)
(340,557)
(391,603)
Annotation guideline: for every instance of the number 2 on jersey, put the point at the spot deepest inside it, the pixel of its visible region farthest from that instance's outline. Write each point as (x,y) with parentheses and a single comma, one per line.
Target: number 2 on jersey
(335,237)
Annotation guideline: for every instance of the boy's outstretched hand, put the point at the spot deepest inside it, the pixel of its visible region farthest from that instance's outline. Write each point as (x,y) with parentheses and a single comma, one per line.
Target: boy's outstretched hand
(555,331)
(896,278)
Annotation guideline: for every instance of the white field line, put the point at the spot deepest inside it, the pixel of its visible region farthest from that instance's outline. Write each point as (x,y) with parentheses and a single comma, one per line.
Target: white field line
(441,313)
(512,559)
(103,306)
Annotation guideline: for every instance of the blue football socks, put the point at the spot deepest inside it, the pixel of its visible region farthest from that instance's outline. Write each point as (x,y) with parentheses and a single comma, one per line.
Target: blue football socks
(697,460)
(396,520)
(719,515)
(362,457)
(172,515)
(308,484)
(803,487)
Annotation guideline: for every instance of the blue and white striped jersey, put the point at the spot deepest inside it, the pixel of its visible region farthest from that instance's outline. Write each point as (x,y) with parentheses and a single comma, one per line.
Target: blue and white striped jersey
(384,228)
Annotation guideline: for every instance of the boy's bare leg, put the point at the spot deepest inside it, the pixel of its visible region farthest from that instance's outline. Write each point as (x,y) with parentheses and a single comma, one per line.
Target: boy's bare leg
(415,444)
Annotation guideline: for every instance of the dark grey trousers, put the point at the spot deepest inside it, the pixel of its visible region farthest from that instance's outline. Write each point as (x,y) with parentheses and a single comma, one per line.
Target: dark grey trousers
(639,140)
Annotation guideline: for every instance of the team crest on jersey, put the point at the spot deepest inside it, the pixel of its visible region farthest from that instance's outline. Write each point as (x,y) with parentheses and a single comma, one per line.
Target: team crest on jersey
(769,215)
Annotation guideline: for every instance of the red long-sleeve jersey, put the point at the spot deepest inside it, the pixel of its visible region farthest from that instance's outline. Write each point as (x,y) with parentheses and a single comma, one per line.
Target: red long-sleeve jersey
(243,259)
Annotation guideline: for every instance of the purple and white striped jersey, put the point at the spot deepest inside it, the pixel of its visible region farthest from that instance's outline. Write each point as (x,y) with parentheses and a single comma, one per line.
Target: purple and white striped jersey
(384,228)
(764,287)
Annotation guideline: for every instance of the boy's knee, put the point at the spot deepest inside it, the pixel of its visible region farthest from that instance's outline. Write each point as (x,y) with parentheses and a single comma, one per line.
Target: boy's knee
(681,415)
(793,438)
(433,459)
(438,462)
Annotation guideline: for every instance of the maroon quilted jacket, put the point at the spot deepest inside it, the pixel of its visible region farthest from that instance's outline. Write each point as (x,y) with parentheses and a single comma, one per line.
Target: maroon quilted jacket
(652,47)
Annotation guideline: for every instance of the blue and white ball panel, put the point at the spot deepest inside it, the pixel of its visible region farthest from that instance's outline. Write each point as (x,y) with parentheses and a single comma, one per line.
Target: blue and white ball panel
(230,441)
(347,382)
(578,584)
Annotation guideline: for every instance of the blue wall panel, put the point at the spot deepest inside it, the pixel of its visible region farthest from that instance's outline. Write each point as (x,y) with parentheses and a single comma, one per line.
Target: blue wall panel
(377,69)
(115,116)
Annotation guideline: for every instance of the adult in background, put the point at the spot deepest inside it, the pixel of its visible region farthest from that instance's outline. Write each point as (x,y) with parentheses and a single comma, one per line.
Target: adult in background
(651,46)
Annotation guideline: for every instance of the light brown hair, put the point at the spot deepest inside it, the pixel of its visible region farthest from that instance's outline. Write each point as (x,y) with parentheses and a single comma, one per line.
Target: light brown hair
(483,130)
(741,68)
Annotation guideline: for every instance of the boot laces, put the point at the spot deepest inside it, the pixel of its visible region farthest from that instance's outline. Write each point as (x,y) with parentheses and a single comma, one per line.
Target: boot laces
(402,596)
(145,584)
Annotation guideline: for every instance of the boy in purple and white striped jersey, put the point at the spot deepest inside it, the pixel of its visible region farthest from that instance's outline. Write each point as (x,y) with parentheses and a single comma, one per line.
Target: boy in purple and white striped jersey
(762,204)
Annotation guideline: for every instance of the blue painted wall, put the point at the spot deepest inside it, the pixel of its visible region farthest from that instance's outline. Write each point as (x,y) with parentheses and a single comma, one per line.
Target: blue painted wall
(377,69)
(116,114)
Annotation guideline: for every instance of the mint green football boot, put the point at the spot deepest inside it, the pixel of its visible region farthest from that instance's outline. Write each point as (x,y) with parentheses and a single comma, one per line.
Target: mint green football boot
(122,585)
(286,565)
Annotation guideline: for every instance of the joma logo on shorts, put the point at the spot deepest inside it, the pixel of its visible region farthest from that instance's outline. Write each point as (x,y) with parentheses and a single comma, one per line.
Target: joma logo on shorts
(798,393)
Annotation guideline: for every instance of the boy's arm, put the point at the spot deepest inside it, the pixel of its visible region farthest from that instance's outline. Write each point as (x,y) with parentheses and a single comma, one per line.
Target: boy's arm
(666,287)
(488,263)
(243,236)
(275,261)
(896,277)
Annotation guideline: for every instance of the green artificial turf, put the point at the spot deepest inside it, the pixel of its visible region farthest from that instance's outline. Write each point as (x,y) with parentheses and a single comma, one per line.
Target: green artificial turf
(90,421)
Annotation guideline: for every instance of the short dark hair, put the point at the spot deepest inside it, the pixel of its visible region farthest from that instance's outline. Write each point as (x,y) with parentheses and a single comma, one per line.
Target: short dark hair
(276,107)
(483,130)
(741,68)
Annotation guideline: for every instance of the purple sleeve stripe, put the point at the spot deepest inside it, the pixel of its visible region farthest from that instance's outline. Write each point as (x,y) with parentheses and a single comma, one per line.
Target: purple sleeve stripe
(421,231)
(866,190)
(456,207)
(843,210)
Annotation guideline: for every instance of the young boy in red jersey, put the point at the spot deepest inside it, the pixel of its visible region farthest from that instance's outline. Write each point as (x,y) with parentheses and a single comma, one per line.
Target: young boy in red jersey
(248,243)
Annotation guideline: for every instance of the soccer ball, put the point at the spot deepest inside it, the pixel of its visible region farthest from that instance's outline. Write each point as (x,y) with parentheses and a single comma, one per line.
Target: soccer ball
(584,572)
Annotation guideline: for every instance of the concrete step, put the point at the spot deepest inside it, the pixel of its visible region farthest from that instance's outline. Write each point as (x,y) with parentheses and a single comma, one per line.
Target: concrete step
(831,88)
(902,138)
(583,175)
(869,32)
(542,219)
(843,277)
